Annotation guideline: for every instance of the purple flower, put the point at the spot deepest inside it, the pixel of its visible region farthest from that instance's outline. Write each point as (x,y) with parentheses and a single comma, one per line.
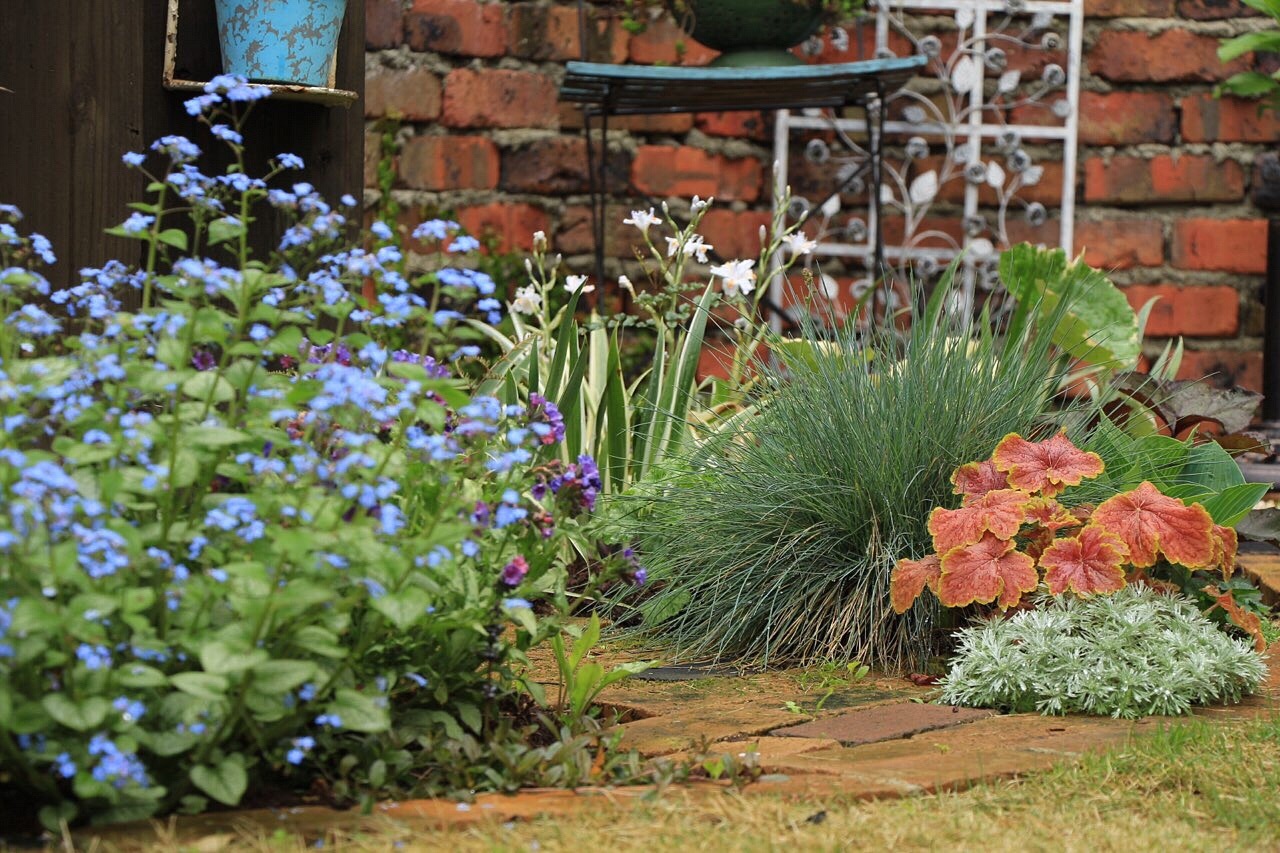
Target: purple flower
(514,572)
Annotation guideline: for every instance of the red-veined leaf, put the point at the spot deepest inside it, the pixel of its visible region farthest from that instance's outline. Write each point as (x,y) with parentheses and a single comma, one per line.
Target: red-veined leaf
(1087,564)
(1241,618)
(1225,544)
(1050,514)
(985,571)
(1151,523)
(975,479)
(1036,541)
(1046,466)
(909,579)
(1002,512)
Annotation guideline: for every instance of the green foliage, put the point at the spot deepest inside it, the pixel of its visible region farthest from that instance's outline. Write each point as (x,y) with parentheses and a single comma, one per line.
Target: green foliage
(1098,326)
(245,542)
(1134,653)
(581,680)
(1193,473)
(777,539)
(1253,84)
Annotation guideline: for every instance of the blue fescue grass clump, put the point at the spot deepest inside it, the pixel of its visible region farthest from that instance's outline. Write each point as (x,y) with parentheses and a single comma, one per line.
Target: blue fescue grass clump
(775,541)
(1131,654)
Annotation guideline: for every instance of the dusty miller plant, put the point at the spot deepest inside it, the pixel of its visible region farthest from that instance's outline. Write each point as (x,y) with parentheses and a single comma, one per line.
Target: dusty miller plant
(1134,653)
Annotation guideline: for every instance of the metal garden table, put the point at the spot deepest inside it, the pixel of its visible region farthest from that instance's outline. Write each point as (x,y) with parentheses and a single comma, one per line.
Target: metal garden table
(607,90)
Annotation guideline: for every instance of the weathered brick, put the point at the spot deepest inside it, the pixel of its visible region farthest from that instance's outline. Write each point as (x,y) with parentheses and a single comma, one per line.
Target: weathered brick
(1209,119)
(686,172)
(383,24)
(1121,244)
(509,226)
(551,33)
(735,234)
(499,98)
(1128,8)
(669,123)
(1194,312)
(1223,368)
(450,163)
(740,125)
(372,154)
(574,236)
(409,93)
(1170,56)
(463,27)
(1223,245)
(1139,181)
(557,165)
(1211,10)
(1126,118)
(664,43)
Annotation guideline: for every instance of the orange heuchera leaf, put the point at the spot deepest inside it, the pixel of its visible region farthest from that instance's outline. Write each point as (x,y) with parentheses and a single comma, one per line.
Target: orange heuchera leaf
(975,479)
(985,571)
(1225,544)
(910,577)
(1047,466)
(1087,563)
(1151,523)
(1001,512)
(1050,514)
(1241,618)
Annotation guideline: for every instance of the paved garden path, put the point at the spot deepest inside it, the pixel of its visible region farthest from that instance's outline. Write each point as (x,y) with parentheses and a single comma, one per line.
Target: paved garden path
(875,738)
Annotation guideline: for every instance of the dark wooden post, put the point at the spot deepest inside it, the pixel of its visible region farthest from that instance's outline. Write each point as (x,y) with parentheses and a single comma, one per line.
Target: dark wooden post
(86,81)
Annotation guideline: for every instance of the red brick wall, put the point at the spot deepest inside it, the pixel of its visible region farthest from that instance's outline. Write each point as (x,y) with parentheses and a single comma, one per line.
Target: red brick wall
(1163,186)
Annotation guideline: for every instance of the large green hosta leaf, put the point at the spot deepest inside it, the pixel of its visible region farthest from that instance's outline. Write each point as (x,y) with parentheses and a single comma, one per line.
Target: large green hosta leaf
(1090,317)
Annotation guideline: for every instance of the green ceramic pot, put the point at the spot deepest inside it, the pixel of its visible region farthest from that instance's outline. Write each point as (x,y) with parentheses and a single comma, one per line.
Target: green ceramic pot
(752,32)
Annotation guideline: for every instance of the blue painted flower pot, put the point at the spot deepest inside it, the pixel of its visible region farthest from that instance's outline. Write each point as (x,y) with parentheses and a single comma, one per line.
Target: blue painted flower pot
(280,41)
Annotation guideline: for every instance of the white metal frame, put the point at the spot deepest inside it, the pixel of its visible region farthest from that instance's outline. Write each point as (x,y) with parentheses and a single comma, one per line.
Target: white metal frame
(970,128)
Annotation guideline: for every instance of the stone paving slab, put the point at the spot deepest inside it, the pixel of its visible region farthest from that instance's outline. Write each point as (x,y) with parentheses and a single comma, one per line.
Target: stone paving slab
(1264,571)
(885,722)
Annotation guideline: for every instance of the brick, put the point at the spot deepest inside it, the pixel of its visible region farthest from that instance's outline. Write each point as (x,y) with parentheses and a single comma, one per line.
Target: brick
(664,43)
(1212,10)
(409,93)
(1128,8)
(557,165)
(685,172)
(1223,245)
(573,235)
(463,27)
(670,123)
(1209,119)
(499,98)
(739,125)
(1126,118)
(1194,312)
(450,163)
(509,226)
(1223,368)
(372,155)
(1121,244)
(735,234)
(1189,178)
(551,33)
(383,24)
(1171,56)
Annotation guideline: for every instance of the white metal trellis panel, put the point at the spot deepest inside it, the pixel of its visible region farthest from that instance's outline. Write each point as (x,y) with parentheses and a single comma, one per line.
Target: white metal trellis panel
(962,106)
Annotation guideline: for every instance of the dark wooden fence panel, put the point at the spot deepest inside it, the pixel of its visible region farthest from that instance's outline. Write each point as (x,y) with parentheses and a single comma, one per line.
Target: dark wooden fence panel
(86,86)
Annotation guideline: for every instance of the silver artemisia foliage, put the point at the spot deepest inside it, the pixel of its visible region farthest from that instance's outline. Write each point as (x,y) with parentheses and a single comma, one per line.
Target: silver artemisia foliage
(1131,654)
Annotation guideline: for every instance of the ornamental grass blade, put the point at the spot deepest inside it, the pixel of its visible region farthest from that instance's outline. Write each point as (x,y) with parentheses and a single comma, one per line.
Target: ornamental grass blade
(616,432)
